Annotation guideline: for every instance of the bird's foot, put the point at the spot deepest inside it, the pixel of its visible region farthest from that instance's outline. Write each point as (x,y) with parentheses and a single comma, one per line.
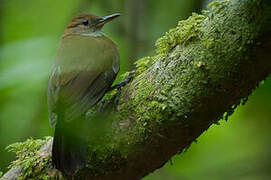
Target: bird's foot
(119,85)
(117,96)
(124,82)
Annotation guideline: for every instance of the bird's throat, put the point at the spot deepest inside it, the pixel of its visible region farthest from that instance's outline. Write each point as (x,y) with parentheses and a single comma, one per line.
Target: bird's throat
(97,33)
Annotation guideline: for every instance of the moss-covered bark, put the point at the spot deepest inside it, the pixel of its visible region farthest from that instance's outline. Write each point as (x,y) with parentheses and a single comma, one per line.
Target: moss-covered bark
(203,69)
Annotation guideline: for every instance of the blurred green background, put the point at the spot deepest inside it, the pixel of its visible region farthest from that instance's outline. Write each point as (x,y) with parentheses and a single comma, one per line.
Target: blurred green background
(29,35)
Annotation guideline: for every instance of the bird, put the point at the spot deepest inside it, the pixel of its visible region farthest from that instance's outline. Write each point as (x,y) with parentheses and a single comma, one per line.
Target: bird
(85,67)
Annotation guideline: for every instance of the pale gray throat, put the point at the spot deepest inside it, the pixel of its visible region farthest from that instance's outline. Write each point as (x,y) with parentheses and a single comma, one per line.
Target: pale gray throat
(96,33)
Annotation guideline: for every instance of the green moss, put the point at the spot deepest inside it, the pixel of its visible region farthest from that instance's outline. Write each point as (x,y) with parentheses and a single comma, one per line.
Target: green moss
(30,159)
(110,95)
(183,33)
(143,64)
(217,5)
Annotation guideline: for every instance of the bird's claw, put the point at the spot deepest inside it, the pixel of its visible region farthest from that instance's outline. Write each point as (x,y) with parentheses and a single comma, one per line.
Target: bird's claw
(119,85)
(124,82)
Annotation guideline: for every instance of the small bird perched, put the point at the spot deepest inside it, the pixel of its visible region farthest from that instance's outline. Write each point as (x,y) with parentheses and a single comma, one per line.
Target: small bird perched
(86,64)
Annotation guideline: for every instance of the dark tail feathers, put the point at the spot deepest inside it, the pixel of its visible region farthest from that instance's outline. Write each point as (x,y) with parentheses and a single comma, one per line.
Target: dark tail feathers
(69,150)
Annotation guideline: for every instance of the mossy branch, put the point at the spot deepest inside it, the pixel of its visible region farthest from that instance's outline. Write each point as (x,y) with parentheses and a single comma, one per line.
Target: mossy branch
(204,68)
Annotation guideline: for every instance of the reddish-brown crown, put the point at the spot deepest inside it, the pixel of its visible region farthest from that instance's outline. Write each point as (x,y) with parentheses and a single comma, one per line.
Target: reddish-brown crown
(78,20)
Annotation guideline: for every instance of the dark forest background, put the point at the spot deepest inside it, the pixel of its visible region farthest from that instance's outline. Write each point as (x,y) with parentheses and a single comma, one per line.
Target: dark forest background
(29,33)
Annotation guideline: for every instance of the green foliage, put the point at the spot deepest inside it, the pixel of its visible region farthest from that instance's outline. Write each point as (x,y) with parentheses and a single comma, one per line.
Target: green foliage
(30,159)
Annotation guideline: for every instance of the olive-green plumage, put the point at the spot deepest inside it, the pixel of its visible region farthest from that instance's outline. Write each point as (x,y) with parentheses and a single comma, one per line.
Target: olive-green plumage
(85,67)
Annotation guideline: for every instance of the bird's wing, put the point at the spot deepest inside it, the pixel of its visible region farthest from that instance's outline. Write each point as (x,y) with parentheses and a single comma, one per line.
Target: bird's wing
(74,88)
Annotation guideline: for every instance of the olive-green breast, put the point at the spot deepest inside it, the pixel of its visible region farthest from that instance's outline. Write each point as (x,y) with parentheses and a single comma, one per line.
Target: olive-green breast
(86,53)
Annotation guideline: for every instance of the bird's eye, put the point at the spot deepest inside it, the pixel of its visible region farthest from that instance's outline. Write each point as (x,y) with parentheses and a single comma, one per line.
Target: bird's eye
(85,22)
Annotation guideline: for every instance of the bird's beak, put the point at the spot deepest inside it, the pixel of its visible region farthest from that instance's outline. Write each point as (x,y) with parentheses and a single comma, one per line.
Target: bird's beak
(107,19)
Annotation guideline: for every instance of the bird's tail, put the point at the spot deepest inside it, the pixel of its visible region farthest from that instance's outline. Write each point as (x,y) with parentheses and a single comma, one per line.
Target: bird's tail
(69,149)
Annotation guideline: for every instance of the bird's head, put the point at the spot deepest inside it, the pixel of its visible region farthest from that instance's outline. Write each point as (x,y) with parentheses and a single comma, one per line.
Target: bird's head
(88,24)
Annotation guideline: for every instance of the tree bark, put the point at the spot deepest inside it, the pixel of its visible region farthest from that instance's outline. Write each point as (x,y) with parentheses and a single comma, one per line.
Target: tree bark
(203,69)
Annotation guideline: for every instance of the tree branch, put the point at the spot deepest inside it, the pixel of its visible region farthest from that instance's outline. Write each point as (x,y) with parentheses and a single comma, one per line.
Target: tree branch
(204,68)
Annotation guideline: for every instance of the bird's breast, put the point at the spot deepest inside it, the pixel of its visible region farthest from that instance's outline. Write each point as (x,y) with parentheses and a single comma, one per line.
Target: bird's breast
(87,52)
